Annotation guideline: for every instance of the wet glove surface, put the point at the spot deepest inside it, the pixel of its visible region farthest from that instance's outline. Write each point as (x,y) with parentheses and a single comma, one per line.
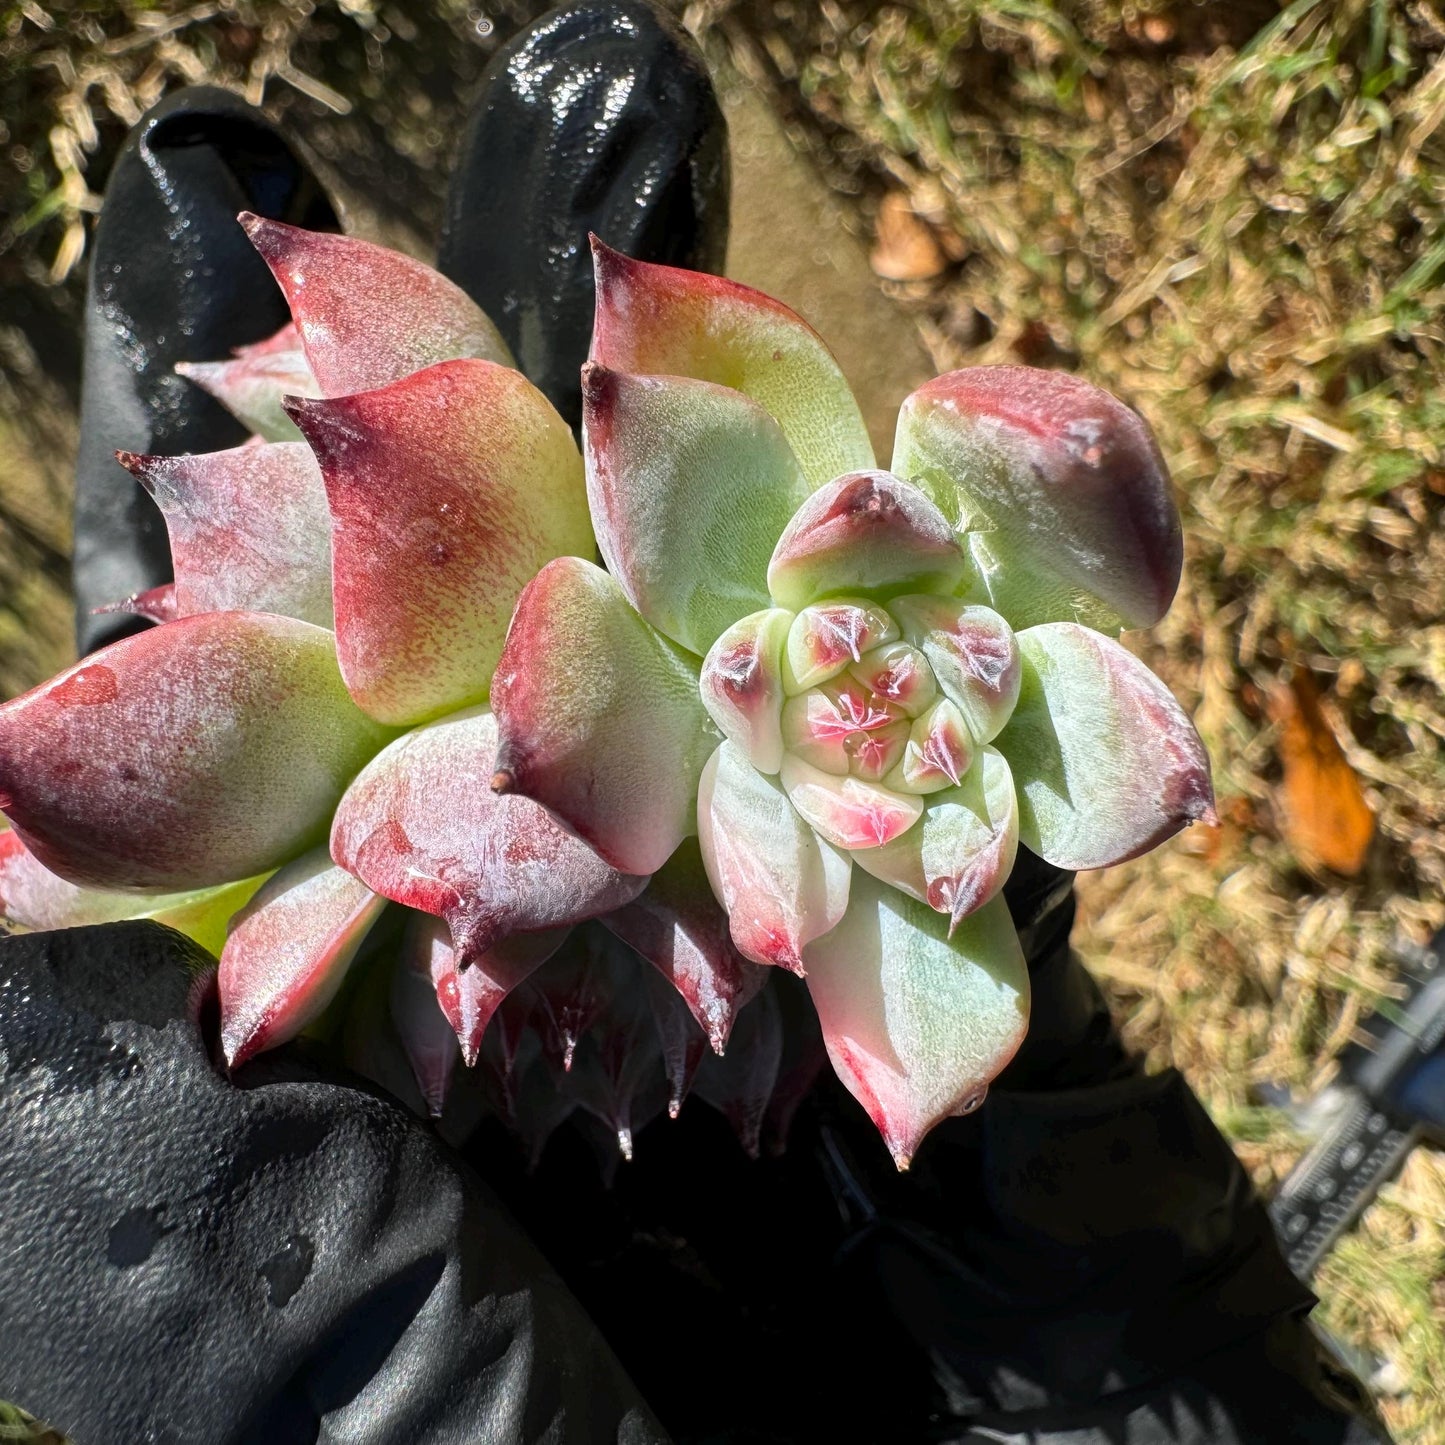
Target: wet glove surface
(172,278)
(291,1260)
(600,117)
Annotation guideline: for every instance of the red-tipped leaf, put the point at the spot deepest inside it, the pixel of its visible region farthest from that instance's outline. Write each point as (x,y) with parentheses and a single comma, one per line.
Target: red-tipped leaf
(917,1023)
(423,826)
(252,383)
(190,755)
(368,315)
(288,951)
(1060,486)
(867,533)
(249,529)
(678,927)
(662,320)
(448,490)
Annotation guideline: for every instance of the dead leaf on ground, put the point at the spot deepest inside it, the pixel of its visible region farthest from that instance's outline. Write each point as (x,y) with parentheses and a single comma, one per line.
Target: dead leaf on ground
(907,248)
(1325,817)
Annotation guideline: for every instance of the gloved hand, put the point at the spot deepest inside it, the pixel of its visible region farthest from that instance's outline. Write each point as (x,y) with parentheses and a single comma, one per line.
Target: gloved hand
(1081,1260)
(282,1257)
(168,230)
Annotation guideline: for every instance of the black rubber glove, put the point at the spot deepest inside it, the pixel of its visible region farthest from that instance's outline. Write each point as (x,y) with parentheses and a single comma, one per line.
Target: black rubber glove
(283,1258)
(600,117)
(1080,1262)
(172,278)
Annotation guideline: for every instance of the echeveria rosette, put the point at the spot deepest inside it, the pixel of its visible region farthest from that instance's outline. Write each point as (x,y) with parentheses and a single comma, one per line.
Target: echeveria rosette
(811,663)
(312,715)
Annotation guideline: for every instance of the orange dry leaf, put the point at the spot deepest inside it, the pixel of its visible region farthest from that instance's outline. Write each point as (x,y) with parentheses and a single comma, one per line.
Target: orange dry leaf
(907,248)
(1326,820)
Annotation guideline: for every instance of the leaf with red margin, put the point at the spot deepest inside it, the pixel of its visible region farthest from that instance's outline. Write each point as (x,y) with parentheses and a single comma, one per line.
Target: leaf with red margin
(867,534)
(249,529)
(916,1023)
(467,998)
(368,315)
(251,384)
(157,604)
(973,653)
(690,485)
(662,320)
(34,897)
(599,717)
(781,885)
(1060,487)
(448,490)
(288,951)
(422,825)
(962,851)
(742,685)
(677,926)
(189,755)
(1107,763)
(427,1037)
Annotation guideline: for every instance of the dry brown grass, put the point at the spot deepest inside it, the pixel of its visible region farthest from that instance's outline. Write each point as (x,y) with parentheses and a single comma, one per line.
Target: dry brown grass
(1229,214)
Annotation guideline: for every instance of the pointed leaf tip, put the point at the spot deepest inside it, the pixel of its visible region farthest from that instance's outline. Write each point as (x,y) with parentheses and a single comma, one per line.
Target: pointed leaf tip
(427,1036)
(253,383)
(960,854)
(248,527)
(470,990)
(667,321)
(288,951)
(157,605)
(447,491)
(917,1023)
(678,926)
(368,315)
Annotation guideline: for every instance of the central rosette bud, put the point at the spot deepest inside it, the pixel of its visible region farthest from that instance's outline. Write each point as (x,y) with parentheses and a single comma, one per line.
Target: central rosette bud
(864,704)
(873,687)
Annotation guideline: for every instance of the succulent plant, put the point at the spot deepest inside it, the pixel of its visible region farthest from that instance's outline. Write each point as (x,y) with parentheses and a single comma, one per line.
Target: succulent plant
(403,491)
(795,662)
(813,664)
